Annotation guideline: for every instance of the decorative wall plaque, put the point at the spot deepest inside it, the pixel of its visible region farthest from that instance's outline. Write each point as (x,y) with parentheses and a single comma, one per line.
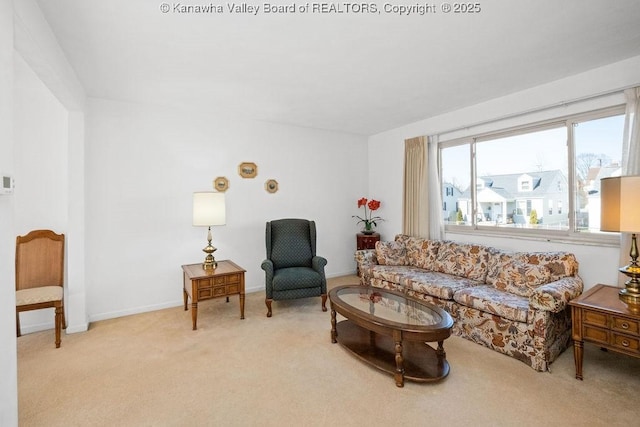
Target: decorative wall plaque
(271,186)
(248,170)
(221,184)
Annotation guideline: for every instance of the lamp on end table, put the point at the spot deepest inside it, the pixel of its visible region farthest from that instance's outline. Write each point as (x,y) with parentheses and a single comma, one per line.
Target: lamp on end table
(208,210)
(620,211)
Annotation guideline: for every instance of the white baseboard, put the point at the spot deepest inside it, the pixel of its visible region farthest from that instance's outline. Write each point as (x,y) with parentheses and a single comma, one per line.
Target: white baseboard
(177,303)
(137,310)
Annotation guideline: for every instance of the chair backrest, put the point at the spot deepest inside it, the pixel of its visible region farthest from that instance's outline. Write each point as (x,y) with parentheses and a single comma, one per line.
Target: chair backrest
(291,242)
(39,259)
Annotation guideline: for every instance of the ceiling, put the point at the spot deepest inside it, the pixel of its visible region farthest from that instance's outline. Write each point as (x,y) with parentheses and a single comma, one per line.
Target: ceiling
(352,72)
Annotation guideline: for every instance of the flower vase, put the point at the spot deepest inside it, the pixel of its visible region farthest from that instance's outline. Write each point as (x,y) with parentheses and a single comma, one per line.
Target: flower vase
(368,230)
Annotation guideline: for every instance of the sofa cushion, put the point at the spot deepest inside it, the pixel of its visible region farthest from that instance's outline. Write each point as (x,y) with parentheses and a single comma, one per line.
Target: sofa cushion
(394,273)
(560,264)
(497,261)
(463,260)
(422,252)
(521,279)
(391,253)
(440,285)
(491,300)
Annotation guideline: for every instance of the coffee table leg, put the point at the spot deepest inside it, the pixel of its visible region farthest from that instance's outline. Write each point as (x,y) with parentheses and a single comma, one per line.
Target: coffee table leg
(334,332)
(399,375)
(442,355)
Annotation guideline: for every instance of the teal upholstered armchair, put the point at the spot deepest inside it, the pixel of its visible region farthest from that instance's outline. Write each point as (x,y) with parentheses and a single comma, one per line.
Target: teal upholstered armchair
(292,268)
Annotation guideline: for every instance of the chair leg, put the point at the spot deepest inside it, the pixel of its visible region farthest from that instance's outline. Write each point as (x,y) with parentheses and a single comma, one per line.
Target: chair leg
(324,302)
(18,334)
(64,319)
(268,302)
(59,315)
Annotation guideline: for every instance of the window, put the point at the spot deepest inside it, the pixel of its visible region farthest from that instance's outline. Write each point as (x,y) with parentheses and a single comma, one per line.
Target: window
(459,179)
(598,150)
(543,177)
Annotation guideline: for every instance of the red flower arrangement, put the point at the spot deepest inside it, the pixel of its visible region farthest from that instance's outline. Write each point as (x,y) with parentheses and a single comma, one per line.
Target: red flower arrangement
(369,220)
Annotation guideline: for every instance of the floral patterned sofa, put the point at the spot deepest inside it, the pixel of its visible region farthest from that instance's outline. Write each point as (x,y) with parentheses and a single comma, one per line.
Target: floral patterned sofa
(514,303)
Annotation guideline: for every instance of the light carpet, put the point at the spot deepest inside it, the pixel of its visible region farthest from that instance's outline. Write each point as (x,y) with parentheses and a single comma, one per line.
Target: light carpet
(151,369)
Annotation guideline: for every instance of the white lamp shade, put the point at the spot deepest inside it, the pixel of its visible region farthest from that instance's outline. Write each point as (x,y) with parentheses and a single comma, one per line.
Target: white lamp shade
(208,209)
(620,204)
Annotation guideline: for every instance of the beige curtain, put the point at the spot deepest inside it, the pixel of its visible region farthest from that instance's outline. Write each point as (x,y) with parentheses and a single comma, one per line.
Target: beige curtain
(436,224)
(415,213)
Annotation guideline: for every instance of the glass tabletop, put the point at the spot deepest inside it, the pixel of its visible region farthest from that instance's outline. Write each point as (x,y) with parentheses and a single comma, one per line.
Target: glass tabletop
(389,306)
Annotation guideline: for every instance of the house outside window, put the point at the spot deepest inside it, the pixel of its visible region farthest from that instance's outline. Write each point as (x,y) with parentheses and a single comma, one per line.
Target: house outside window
(553,168)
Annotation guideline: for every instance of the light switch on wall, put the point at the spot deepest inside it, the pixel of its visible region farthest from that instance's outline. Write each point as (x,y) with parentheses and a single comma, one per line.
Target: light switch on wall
(7,184)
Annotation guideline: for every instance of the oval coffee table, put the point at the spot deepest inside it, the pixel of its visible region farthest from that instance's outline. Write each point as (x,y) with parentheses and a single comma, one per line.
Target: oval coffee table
(390,331)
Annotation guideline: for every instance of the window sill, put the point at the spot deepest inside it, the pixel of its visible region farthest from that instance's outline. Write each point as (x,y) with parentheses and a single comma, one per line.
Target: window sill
(586,238)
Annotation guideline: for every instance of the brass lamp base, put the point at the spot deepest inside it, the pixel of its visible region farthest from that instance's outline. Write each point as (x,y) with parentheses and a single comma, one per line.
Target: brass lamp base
(630,295)
(209,261)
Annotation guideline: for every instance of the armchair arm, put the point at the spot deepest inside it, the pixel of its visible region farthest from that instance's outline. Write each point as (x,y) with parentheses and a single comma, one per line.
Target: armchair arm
(556,295)
(267,266)
(318,263)
(365,258)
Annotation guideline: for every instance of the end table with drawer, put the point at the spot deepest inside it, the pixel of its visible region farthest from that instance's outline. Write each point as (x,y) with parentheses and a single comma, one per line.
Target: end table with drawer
(200,284)
(366,241)
(599,317)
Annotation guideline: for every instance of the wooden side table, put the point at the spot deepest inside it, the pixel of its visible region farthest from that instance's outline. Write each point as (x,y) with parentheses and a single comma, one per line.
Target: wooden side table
(599,317)
(366,241)
(200,284)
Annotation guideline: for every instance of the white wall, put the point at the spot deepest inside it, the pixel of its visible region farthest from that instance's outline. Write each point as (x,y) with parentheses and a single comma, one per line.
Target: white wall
(143,164)
(386,152)
(49,154)
(8,357)
(40,155)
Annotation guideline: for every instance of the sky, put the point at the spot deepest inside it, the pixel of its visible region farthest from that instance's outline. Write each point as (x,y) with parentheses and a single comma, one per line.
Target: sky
(543,150)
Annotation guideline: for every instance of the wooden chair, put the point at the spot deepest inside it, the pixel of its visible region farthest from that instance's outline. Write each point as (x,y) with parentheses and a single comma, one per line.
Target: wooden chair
(40,276)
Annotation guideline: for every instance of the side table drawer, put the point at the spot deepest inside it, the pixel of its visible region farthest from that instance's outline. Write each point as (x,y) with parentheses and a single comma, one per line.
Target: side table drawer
(366,241)
(369,242)
(232,278)
(233,288)
(205,288)
(625,325)
(626,343)
(219,291)
(595,318)
(204,293)
(596,335)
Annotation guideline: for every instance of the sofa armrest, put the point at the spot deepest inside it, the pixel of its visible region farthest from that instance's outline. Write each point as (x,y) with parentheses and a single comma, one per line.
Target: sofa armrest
(556,295)
(365,258)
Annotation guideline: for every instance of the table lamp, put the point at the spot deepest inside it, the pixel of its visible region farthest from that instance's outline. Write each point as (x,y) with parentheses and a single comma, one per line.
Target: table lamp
(620,211)
(208,210)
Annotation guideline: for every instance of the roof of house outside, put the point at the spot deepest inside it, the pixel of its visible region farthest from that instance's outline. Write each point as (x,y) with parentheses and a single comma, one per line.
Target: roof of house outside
(506,186)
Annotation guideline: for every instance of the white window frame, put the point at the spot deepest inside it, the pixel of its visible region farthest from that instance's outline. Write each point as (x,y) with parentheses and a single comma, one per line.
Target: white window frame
(572,235)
